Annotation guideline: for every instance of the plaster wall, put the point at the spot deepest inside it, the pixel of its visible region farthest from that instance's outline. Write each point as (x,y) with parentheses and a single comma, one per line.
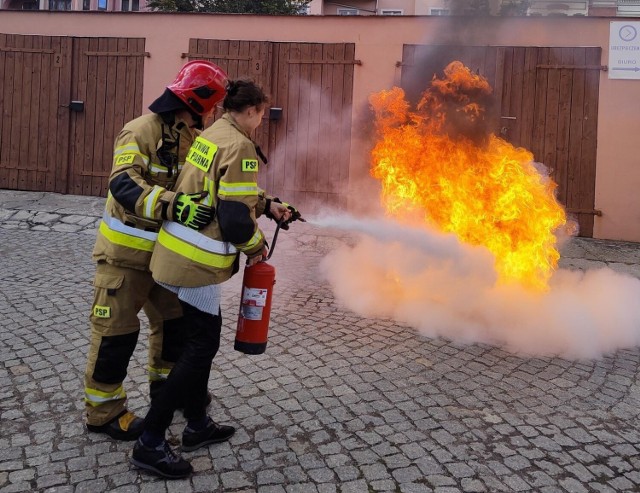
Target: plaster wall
(379,41)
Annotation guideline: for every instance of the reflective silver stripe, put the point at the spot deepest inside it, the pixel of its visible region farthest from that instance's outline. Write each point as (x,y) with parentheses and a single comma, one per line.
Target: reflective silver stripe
(97,397)
(120,227)
(131,148)
(237,189)
(198,239)
(158,169)
(150,201)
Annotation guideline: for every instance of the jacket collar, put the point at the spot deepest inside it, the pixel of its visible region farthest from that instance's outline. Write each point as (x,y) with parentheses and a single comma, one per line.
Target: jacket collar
(235,124)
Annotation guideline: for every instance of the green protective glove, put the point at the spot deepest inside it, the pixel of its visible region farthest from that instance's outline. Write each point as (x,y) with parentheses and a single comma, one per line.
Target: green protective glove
(188,211)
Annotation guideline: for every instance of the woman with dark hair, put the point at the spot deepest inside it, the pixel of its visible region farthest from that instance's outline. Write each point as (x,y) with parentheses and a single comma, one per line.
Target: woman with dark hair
(222,162)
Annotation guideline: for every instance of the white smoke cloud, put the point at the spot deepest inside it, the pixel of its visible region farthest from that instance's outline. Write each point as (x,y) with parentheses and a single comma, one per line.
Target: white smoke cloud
(430,281)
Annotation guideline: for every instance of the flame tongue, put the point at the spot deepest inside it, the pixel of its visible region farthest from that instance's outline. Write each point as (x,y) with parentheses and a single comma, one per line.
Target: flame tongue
(440,160)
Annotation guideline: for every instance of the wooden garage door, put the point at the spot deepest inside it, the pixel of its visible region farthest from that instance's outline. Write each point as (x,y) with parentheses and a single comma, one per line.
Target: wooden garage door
(547,102)
(107,78)
(44,144)
(35,76)
(308,147)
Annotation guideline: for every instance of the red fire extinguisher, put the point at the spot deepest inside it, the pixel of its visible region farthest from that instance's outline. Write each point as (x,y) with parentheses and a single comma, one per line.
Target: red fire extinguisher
(252,332)
(255,308)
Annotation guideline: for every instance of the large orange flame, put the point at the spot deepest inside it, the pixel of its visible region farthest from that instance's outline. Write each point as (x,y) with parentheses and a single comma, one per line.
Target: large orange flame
(439,160)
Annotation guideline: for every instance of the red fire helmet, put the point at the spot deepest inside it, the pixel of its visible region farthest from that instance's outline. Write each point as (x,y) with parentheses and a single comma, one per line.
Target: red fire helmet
(200,84)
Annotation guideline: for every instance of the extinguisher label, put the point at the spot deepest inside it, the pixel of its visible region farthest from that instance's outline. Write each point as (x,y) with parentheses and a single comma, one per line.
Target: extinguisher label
(251,312)
(254,296)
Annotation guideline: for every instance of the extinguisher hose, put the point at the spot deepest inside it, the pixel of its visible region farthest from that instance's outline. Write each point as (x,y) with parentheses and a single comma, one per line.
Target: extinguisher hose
(273,242)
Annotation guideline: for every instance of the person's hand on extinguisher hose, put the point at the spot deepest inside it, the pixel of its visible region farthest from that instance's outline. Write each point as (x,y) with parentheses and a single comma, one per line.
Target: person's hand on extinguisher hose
(279,211)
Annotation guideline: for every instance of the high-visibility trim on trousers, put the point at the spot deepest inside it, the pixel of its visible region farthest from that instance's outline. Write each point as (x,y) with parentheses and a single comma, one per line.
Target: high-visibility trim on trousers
(95,397)
(196,246)
(158,374)
(119,233)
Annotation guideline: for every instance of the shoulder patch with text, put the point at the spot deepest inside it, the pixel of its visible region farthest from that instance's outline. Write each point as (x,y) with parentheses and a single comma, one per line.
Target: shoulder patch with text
(250,165)
(202,153)
(125,159)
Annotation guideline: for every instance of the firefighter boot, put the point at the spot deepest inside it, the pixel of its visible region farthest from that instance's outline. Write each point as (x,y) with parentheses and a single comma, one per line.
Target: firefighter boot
(126,427)
(212,433)
(160,460)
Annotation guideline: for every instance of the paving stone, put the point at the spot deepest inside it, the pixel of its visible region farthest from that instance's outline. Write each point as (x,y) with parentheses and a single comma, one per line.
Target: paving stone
(337,403)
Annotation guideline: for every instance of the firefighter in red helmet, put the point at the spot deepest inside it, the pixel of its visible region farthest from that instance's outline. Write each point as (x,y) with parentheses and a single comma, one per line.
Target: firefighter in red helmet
(148,156)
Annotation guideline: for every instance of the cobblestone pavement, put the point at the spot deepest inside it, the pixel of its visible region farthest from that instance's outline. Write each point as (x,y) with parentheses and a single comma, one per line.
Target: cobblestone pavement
(337,403)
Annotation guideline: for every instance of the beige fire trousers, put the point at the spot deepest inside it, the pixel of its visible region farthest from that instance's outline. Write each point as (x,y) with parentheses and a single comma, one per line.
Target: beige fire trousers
(119,295)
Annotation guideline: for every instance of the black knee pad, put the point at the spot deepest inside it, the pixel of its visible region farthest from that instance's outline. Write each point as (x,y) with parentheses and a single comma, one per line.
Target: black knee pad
(113,357)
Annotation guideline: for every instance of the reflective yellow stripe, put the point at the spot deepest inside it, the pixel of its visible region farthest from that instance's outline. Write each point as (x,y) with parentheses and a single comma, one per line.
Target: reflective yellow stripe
(131,148)
(246,188)
(126,240)
(95,397)
(156,374)
(208,186)
(257,237)
(194,253)
(149,202)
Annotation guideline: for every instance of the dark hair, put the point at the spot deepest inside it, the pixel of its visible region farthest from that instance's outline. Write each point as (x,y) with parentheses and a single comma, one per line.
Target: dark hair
(242,93)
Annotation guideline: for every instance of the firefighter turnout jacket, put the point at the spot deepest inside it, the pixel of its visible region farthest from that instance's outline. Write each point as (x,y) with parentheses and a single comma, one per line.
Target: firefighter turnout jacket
(148,155)
(224,162)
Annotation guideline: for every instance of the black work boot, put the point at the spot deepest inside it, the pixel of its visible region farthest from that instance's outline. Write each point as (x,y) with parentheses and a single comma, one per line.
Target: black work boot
(212,433)
(160,460)
(125,426)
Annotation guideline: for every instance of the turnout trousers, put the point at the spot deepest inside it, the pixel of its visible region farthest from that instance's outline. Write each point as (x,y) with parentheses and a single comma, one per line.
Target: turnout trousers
(119,295)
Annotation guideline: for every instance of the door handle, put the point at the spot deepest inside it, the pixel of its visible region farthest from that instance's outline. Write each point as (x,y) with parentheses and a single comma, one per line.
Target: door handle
(77,106)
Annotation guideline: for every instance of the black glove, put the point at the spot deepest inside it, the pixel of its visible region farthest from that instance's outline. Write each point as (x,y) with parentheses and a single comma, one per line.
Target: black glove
(295,216)
(188,211)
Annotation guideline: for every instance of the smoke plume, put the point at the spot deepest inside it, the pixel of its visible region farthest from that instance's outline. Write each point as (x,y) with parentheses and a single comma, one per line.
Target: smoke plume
(443,288)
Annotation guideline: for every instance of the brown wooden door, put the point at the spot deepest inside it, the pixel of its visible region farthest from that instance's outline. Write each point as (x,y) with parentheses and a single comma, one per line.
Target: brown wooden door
(313,84)
(35,90)
(308,147)
(108,78)
(240,59)
(546,102)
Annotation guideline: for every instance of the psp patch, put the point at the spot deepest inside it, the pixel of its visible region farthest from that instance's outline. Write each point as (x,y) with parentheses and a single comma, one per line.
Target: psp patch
(102,311)
(125,159)
(250,165)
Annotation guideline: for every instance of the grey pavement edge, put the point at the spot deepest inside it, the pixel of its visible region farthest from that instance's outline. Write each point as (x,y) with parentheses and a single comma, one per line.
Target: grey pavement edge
(338,403)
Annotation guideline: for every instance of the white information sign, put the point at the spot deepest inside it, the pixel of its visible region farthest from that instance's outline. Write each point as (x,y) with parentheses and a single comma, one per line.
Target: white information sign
(624,50)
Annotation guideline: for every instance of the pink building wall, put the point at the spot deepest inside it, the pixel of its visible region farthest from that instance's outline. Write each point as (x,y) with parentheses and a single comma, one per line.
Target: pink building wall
(379,42)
